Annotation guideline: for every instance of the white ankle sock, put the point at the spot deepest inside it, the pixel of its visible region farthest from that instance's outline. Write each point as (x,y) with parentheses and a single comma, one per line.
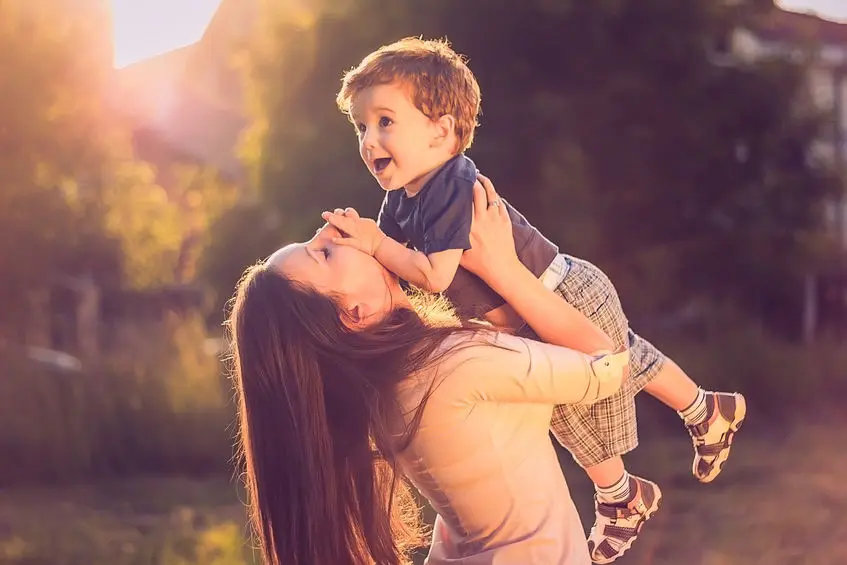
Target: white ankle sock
(697,411)
(618,493)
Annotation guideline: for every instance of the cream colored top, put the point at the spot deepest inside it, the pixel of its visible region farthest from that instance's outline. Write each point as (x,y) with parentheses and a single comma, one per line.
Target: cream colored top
(483,457)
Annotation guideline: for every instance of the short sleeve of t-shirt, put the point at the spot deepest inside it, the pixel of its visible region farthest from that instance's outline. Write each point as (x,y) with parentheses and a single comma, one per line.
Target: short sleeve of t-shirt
(388,224)
(446,215)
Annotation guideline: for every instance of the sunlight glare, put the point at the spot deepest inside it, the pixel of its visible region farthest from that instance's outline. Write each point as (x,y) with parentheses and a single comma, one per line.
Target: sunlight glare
(146,28)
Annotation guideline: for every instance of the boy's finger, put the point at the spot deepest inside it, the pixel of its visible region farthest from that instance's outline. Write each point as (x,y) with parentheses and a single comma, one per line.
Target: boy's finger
(349,242)
(351,213)
(343,223)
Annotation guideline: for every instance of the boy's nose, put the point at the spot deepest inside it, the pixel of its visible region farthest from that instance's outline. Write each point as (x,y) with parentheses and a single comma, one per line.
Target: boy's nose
(369,141)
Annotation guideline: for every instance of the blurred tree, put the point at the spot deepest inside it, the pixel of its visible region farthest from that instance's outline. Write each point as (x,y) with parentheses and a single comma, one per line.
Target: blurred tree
(53,140)
(700,170)
(608,123)
(162,231)
(300,152)
(73,200)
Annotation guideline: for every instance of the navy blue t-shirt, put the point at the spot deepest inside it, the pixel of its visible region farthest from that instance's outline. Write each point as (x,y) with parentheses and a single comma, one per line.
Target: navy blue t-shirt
(438,218)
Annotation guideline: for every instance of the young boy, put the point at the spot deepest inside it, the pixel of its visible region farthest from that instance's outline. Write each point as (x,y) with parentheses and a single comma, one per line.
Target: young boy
(414,104)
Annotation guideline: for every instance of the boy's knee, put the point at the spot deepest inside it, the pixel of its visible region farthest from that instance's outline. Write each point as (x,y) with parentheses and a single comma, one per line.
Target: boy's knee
(646,359)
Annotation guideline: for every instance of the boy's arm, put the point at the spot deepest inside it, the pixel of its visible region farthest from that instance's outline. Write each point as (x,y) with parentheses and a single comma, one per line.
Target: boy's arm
(433,272)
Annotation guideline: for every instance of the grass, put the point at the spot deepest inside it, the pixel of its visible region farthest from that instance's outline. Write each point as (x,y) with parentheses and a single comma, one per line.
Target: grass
(780,501)
(156,521)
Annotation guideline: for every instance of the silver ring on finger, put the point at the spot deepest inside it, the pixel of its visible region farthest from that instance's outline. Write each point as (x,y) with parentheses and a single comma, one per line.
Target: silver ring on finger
(494,203)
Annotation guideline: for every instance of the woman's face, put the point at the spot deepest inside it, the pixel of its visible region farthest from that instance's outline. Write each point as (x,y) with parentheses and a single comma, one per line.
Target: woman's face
(366,290)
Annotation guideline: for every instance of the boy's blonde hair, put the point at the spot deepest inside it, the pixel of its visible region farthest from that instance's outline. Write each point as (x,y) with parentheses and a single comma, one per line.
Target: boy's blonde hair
(438,77)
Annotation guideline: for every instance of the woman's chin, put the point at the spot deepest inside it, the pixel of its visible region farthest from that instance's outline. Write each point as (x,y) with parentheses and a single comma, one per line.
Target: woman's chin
(393,282)
(396,292)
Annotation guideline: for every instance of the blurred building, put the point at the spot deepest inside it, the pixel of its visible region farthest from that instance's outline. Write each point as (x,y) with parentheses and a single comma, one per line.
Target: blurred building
(791,33)
(823,45)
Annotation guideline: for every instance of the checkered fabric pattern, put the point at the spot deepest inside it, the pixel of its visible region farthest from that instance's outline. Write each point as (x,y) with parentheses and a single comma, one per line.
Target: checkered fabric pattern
(608,428)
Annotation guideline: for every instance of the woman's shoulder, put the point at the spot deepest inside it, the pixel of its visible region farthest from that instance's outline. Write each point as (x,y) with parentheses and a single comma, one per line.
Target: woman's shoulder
(451,353)
(475,347)
(482,336)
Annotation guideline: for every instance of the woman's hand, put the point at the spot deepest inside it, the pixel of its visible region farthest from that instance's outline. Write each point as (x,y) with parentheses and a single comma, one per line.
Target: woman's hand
(492,244)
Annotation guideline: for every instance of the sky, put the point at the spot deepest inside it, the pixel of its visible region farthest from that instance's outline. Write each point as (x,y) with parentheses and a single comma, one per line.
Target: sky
(145,28)
(830,9)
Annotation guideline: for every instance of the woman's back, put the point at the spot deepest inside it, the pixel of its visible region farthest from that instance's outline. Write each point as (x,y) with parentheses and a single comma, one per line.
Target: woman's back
(483,458)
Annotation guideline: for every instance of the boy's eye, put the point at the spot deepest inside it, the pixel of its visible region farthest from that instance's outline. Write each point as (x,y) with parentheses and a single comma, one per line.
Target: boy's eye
(384,122)
(325,251)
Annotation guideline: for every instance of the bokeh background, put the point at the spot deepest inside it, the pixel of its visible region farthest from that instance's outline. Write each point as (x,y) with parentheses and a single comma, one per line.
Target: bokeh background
(696,151)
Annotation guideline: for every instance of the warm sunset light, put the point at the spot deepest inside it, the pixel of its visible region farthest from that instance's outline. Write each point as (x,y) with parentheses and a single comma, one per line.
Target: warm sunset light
(574,246)
(147,28)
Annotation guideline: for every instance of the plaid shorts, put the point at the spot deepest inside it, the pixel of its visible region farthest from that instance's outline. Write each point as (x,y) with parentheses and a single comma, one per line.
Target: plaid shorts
(608,428)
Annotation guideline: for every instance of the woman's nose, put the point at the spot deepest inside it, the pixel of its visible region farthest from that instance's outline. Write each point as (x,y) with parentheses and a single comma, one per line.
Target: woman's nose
(326,232)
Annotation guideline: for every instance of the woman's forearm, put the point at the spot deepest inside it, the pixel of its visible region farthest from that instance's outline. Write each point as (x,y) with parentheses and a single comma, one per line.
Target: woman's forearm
(554,320)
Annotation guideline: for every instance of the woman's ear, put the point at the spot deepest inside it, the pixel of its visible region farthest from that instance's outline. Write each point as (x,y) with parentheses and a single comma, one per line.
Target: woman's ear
(444,128)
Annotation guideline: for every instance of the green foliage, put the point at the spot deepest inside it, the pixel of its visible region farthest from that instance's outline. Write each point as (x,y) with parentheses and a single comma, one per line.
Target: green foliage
(73,199)
(734,354)
(50,106)
(166,409)
(609,125)
(162,231)
(606,123)
(172,521)
(163,407)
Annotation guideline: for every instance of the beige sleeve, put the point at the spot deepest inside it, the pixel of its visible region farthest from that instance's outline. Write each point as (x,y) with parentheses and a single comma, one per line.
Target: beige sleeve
(513,369)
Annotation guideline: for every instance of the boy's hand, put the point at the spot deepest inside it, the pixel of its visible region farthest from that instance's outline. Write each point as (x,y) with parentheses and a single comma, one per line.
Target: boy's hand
(327,226)
(361,233)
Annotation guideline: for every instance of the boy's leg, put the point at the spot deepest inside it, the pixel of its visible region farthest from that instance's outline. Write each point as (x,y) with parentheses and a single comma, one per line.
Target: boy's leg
(712,418)
(672,387)
(598,435)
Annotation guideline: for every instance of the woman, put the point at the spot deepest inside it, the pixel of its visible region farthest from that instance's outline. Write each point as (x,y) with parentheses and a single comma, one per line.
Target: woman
(343,385)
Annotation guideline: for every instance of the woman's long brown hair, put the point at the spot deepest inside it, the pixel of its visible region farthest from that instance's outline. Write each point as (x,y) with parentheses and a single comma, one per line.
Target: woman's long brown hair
(313,399)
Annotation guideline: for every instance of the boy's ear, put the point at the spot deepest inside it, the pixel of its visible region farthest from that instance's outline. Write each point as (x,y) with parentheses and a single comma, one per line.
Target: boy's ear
(444,126)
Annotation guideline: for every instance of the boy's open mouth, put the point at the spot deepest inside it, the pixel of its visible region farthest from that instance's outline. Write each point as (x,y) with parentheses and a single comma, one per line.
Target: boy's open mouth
(381,163)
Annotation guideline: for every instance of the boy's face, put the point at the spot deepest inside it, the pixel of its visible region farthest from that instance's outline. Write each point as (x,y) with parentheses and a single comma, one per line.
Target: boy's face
(399,144)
